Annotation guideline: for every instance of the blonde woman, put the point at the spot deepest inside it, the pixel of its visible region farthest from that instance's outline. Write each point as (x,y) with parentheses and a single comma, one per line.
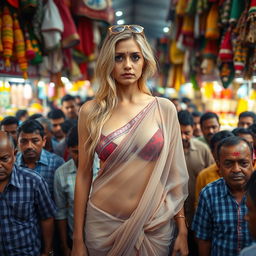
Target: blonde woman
(134,204)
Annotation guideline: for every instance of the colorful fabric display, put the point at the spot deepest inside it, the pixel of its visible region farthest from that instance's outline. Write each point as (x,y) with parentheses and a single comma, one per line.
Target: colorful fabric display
(227,73)
(251,36)
(7,36)
(212,28)
(36,47)
(241,27)
(191,7)
(70,36)
(85,31)
(240,55)
(19,44)
(225,8)
(226,51)
(236,10)
(30,52)
(181,7)
(52,26)
(14,3)
(211,48)
(176,55)
(202,6)
(1,45)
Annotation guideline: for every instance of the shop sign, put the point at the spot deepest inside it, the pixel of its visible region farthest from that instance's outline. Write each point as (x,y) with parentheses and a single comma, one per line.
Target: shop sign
(14,70)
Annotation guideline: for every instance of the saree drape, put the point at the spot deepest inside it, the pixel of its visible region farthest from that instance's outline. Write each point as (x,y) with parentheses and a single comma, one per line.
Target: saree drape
(149,229)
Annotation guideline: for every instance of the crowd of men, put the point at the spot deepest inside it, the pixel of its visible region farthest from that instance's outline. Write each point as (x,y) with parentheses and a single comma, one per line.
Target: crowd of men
(39,160)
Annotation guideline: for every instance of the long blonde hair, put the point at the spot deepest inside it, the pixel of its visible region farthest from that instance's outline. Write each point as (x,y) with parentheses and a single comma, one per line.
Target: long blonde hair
(106,96)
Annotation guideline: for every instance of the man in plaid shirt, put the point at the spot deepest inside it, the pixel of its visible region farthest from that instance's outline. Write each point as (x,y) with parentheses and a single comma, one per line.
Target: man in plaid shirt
(27,210)
(219,222)
(31,140)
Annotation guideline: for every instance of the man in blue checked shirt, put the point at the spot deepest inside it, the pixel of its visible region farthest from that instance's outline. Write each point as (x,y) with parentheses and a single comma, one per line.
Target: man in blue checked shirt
(27,210)
(31,140)
(219,222)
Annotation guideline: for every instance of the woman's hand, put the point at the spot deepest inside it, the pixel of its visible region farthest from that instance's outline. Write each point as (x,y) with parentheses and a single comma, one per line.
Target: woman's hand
(79,249)
(180,246)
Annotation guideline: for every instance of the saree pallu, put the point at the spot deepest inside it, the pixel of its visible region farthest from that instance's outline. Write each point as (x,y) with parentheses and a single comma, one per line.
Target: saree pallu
(149,230)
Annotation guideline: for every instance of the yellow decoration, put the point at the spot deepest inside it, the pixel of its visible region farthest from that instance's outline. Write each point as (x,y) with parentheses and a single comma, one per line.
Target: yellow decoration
(242,106)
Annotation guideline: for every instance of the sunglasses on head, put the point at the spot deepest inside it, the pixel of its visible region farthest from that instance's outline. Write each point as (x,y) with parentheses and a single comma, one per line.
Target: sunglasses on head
(116,29)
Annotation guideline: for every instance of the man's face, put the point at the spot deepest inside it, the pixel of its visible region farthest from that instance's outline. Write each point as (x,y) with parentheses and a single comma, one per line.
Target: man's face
(209,128)
(11,130)
(186,135)
(197,128)
(73,151)
(31,145)
(7,159)
(250,217)
(70,109)
(236,165)
(245,122)
(56,127)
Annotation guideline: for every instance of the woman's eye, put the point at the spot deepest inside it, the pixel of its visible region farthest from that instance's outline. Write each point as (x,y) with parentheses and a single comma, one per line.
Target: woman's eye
(118,58)
(135,57)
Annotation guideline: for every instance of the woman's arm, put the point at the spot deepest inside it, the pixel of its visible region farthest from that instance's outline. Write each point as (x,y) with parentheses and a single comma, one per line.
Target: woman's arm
(83,183)
(181,244)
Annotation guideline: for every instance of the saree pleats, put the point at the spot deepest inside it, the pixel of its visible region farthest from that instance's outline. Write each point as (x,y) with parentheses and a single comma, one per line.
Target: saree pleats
(133,169)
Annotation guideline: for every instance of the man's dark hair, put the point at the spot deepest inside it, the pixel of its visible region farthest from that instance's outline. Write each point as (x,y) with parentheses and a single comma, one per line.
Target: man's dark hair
(20,113)
(241,130)
(208,115)
(218,136)
(72,137)
(56,114)
(196,114)
(186,100)
(185,118)
(251,187)
(31,126)
(34,116)
(8,120)
(248,114)
(67,125)
(67,97)
(232,141)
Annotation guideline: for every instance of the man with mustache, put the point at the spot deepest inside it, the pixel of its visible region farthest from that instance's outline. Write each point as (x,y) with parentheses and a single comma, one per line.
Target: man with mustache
(219,222)
(27,210)
(210,124)
(198,157)
(31,140)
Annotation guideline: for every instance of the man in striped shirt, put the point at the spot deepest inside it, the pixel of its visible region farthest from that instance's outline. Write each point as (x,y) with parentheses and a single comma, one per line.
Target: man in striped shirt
(219,222)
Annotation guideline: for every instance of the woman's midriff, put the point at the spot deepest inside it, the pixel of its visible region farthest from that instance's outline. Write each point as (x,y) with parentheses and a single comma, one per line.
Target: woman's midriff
(122,194)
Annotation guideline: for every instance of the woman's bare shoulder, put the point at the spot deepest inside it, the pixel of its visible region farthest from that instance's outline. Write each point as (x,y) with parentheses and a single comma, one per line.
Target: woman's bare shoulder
(166,104)
(87,107)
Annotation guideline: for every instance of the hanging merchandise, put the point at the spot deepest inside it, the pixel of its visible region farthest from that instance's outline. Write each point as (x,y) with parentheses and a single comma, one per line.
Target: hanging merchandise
(20,51)
(70,37)
(1,45)
(98,10)
(7,35)
(52,26)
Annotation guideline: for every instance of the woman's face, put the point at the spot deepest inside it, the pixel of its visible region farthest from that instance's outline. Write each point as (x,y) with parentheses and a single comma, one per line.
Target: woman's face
(129,63)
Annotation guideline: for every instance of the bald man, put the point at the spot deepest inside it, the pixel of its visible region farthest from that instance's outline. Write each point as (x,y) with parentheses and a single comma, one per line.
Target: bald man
(27,210)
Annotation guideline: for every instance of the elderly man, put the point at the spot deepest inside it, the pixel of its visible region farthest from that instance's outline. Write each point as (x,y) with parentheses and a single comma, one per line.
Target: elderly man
(27,210)
(219,222)
(31,140)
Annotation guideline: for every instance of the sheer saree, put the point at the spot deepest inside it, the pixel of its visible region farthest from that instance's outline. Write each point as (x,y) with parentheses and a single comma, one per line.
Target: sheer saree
(158,173)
